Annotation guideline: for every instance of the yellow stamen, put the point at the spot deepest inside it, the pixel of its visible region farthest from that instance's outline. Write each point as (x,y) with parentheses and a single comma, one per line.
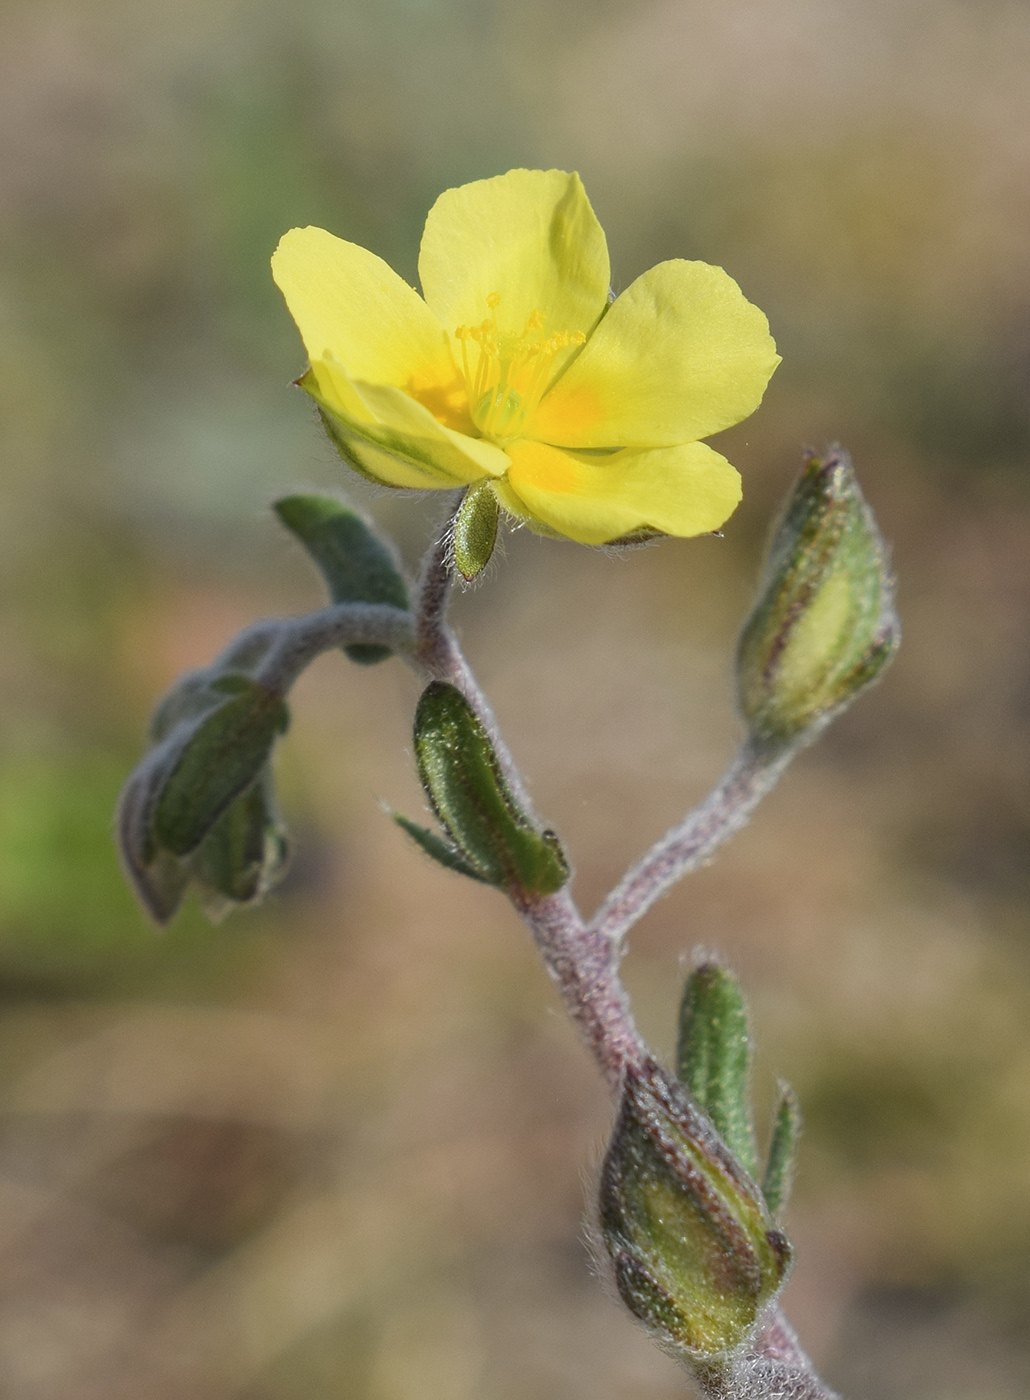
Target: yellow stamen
(512,371)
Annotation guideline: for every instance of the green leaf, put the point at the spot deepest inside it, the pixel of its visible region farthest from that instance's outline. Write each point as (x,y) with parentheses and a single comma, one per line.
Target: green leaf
(713,1057)
(442,851)
(475,530)
(468,792)
(357,566)
(783,1149)
(217,762)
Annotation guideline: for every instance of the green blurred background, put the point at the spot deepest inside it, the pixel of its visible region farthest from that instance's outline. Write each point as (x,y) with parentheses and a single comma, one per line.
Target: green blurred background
(336,1146)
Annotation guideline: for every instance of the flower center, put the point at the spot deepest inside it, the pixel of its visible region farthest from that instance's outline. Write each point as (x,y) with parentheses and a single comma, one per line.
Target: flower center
(510,372)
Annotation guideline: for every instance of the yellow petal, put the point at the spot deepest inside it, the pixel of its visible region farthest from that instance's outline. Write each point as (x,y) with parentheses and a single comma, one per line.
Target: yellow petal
(529,238)
(389,436)
(684,490)
(681,354)
(347,301)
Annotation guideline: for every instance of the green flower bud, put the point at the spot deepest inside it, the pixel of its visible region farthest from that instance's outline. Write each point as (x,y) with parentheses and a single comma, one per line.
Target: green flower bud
(199,805)
(475,530)
(824,626)
(695,1254)
(216,761)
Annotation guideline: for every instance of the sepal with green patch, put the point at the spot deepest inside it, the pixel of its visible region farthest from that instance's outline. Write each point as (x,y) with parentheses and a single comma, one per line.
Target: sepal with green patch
(695,1254)
(357,565)
(487,832)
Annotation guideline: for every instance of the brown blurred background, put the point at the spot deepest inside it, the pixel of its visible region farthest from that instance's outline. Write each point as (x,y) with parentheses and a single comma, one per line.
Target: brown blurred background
(337,1147)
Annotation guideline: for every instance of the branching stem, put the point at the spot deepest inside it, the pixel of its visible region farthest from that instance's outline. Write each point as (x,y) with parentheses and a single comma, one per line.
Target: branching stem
(691,842)
(581,958)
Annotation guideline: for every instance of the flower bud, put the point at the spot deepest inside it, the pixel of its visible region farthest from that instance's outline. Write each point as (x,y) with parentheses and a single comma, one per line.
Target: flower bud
(199,804)
(694,1251)
(824,626)
(475,530)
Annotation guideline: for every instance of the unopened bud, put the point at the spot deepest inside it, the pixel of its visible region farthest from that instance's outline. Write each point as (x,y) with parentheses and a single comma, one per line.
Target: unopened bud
(695,1254)
(199,805)
(824,626)
(475,530)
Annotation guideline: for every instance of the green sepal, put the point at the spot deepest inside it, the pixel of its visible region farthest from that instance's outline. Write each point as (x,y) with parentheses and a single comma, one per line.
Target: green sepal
(192,696)
(217,762)
(468,792)
(713,1057)
(783,1150)
(441,851)
(475,530)
(245,852)
(824,625)
(356,564)
(695,1253)
(161,884)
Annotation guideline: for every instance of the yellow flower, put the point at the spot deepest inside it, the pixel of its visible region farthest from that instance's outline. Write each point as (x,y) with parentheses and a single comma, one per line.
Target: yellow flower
(584,417)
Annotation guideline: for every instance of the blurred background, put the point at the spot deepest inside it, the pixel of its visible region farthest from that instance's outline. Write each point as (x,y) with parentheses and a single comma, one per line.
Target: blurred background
(338,1146)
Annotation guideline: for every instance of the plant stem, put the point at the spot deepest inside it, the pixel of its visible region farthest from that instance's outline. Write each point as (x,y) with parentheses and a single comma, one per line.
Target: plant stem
(585,969)
(687,845)
(583,960)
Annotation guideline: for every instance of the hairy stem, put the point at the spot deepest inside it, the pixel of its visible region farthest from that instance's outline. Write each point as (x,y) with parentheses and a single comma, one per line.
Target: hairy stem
(690,843)
(585,970)
(277,649)
(583,960)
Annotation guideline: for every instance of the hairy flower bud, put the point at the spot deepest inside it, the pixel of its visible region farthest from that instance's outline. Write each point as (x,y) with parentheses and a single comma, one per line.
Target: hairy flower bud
(824,626)
(199,805)
(695,1254)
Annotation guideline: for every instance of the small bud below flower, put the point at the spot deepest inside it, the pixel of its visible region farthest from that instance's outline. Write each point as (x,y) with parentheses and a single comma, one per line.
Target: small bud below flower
(824,626)
(695,1254)
(475,530)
